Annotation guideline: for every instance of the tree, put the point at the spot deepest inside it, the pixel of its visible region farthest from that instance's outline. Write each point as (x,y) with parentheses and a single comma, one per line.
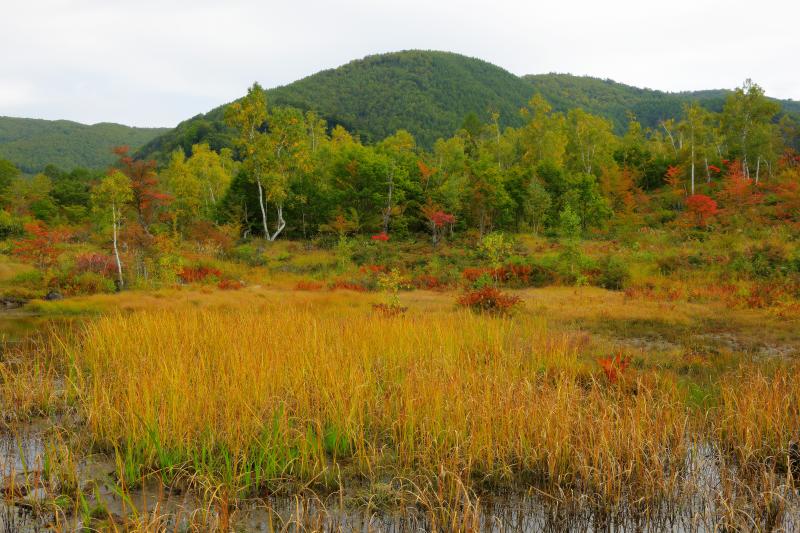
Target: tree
(147,198)
(109,197)
(543,137)
(273,157)
(590,144)
(701,208)
(437,219)
(8,171)
(698,131)
(748,128)
(41,245)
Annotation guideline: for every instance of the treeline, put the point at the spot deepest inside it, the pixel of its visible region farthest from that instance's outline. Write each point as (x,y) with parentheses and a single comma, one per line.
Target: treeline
(290,176)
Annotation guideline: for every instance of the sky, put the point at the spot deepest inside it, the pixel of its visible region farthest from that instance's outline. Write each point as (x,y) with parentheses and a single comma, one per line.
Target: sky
(155,63)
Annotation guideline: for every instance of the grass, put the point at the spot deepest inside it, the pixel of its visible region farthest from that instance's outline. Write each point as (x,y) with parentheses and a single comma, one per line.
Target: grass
(258,398)
(289,388)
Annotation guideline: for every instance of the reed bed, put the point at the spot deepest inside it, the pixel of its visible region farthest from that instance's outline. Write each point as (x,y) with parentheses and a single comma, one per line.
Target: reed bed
(254,398)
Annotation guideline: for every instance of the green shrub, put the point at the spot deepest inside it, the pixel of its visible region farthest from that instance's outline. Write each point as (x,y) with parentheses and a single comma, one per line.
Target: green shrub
(10,226)
(32,279)
(614,273)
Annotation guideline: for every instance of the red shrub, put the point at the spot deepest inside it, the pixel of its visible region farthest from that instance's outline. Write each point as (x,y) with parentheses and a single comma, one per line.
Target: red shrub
(613,367)
(230,285)
(308,286)
(701,208)
(473,274)
(372,269)
(349,285)
(41,247)
(431,283)
(489,299)
(198,273)
(96,262)
(382,236)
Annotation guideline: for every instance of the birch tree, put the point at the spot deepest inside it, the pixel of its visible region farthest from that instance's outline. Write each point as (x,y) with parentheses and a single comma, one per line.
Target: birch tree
(273,147)
(108,198)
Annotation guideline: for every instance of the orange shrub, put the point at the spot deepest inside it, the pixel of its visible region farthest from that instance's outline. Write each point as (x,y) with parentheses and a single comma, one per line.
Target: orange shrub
(489,299)
(306,285)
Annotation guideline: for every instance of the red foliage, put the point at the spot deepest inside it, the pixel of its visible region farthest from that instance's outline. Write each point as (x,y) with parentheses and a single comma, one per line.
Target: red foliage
(673,176)
(349,285)
(613,367)
(440,218)
(308,286)
(382,236)
(489,299)
(513,274)
(702,208)
(144,182)
(714,168)
(96,262)
(429,282)
(372,269)
(198,273)
(40,248)
(230,285)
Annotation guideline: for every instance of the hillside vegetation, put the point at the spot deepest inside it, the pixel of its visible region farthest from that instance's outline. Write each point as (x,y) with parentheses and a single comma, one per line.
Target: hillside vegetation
(430,93)
(32,144)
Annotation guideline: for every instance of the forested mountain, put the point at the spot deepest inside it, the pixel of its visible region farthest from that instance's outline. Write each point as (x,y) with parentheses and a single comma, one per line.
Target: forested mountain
(426,93)
(32,144)
(429,94)
(615,100)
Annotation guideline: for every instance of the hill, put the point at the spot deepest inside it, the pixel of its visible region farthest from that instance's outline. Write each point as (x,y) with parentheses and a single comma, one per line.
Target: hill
(429,93)
(32,144)
(615,100)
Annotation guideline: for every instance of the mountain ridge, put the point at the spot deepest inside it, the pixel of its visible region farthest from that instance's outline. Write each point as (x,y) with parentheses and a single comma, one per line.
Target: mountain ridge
(426,92)
(32,143)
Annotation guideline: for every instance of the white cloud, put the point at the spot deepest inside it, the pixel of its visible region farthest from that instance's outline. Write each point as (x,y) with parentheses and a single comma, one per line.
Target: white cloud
(158,62)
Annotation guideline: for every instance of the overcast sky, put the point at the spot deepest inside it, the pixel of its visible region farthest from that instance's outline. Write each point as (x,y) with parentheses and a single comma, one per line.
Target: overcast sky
(155,63)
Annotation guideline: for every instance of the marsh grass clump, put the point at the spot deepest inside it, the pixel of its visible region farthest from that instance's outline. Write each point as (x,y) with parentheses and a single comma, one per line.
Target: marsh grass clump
(257,398)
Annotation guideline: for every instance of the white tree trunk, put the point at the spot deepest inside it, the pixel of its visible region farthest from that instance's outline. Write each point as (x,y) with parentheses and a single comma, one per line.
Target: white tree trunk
(281,225)
(116,248)
(263,208)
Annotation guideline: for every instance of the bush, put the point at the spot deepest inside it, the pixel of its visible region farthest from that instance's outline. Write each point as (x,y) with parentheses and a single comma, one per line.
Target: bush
(97,263)
(613,273)
(81,284)
(248,254)
(768,259)
(198,274)
(32,279)
(489,299)
(10,226)
(230,285)
(306,285)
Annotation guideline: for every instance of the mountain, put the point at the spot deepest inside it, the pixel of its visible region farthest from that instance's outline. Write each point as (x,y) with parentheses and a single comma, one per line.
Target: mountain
(615,100)
(429,93)
(32,144)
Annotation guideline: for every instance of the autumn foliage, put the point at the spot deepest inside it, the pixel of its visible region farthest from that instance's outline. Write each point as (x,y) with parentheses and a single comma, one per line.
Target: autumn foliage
(489,299)
(701,208)
(41,245)
(197,274)
(614,367)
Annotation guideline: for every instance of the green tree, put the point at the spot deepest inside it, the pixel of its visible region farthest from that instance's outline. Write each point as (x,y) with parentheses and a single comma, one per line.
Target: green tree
(109,197)
(748,128)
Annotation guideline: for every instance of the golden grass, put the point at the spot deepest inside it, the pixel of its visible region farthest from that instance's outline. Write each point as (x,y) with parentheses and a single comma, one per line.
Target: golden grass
(304,392)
